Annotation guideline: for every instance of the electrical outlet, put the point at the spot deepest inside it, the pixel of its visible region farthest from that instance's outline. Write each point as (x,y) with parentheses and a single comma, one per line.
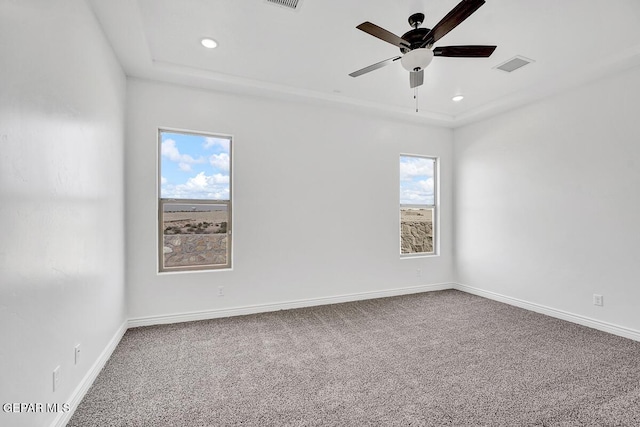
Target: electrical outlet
(419,272)
(598,300)
(56,378)
(220,291)
(77,354)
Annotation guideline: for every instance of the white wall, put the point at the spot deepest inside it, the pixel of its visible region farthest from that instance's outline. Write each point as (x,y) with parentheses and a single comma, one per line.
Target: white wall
(315,201)
(61,191)
(547,201)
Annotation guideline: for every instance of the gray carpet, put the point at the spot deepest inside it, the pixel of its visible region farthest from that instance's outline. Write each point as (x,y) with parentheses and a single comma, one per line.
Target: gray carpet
(432,359)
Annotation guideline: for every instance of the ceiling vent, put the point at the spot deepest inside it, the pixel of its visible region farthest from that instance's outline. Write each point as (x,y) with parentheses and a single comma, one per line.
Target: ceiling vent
(289,4)
(514,63)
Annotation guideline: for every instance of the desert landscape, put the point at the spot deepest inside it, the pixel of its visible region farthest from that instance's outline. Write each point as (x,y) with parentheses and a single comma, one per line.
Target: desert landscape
(195,222)
(195,238)
(416,230)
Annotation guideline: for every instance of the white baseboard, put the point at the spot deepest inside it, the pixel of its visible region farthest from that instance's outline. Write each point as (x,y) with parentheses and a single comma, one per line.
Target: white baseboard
(78,394)
(549,311)
(287,305)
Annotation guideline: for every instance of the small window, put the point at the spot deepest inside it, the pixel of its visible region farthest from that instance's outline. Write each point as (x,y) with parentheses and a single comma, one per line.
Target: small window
(417,205)
(194,208)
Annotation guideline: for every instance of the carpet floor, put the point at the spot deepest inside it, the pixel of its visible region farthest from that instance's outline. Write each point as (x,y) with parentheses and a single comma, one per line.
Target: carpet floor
(431,359)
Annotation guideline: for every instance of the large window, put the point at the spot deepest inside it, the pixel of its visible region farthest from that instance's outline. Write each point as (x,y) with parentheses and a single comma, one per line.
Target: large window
(417,205)
(194,209)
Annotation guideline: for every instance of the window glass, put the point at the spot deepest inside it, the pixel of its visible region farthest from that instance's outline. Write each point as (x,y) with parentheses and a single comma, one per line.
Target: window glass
(195,201)
(417,205)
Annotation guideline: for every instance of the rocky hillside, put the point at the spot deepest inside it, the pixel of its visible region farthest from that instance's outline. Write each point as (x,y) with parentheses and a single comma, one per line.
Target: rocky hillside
(417,236)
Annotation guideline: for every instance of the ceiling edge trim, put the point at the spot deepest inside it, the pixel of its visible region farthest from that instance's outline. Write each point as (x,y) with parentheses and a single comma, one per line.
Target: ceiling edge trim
(570,79)
(176,73)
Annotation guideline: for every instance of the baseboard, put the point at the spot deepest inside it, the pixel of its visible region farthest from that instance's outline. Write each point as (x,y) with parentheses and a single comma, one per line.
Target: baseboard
(78,394)
(549,311)
(287,305)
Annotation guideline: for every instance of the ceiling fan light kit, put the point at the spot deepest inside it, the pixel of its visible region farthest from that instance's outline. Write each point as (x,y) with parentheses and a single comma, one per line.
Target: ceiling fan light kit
(417,59)
(416,45)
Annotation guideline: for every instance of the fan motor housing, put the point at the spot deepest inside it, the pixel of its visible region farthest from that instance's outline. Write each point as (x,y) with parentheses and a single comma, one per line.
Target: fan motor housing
(415,38)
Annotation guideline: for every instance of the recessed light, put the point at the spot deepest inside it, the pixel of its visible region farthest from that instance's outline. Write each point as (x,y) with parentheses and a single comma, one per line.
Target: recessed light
(209,43)
(457,98)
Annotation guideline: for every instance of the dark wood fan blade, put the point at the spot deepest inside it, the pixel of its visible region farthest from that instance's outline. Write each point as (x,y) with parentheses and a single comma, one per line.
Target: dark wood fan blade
(382,34)
(374,66)
(416,78)
(462,11)
(464,51)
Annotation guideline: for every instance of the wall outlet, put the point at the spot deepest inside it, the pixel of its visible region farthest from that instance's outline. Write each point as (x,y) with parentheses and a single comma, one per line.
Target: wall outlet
(77,354)
(419,272)
(56,378)
(598,300)
(220,291)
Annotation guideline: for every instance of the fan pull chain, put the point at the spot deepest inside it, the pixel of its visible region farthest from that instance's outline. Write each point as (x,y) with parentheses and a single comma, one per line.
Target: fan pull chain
(415,96)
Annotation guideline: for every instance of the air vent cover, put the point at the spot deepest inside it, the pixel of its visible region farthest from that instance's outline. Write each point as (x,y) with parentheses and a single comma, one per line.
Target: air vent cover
(289,4)
(514,63)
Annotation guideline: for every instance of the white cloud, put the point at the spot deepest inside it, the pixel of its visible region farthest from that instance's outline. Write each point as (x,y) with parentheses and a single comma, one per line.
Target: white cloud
(220,161)
(412,167)
(413,197)
(163,180)
(416,180)
(201,180)
(426,185)
(185,167)
(220,142)
(200,186)
(170,151)
(417,192)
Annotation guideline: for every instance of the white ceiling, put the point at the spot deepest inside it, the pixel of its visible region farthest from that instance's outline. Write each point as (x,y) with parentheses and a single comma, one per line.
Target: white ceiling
(308,53)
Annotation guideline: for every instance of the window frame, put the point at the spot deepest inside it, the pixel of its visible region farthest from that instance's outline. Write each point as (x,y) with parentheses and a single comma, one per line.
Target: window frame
(435,209)
(162,269)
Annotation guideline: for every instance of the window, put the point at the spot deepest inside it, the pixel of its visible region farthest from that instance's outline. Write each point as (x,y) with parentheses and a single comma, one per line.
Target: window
(417,205)
(194,209)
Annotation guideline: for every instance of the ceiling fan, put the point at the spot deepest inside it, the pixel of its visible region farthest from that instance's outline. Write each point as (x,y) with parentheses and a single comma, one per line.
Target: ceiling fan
(416,44)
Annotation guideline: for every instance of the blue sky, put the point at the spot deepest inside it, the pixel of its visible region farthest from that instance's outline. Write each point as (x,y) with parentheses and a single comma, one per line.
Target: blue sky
(194,166)
(416,180)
